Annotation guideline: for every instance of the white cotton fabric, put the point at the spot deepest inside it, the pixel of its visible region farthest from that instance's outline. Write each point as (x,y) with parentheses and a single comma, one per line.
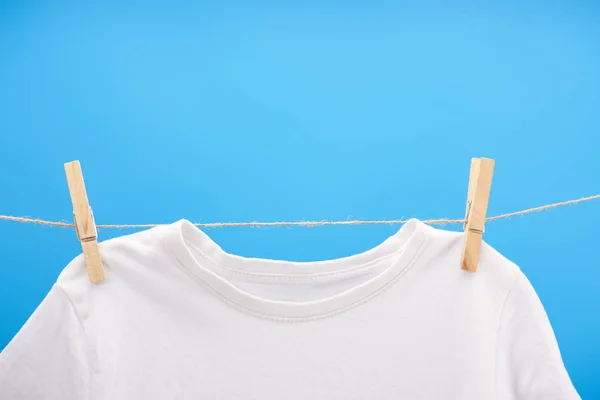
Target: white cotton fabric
(179,318)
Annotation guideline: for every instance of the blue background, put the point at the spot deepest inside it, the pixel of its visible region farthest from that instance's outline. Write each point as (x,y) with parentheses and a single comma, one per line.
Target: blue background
(307,111)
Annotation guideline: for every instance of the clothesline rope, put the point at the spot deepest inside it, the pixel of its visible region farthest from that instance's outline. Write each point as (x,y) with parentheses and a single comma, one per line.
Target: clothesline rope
(307,223)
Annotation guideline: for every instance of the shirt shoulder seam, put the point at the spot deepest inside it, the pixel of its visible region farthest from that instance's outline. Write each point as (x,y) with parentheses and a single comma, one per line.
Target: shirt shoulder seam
(500,316)
(85,332)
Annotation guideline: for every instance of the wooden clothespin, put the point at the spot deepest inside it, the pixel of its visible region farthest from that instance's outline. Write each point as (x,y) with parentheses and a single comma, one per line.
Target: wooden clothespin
(480,183)
(84,222)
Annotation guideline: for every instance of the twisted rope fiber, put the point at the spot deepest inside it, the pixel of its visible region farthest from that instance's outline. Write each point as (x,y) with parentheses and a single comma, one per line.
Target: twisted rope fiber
(309,223)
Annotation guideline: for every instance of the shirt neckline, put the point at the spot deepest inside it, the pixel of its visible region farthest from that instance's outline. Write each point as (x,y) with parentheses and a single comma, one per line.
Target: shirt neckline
(212,265)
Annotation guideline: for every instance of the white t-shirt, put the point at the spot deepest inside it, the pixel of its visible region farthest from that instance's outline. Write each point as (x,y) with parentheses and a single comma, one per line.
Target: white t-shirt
(179,318)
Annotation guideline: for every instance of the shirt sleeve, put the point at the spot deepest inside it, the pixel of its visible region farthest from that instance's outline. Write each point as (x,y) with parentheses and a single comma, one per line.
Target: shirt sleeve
(47,357)
(529,363)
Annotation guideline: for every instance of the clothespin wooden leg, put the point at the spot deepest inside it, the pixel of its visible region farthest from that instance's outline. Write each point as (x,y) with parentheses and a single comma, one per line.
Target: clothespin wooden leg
(84,222)
(480,183)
